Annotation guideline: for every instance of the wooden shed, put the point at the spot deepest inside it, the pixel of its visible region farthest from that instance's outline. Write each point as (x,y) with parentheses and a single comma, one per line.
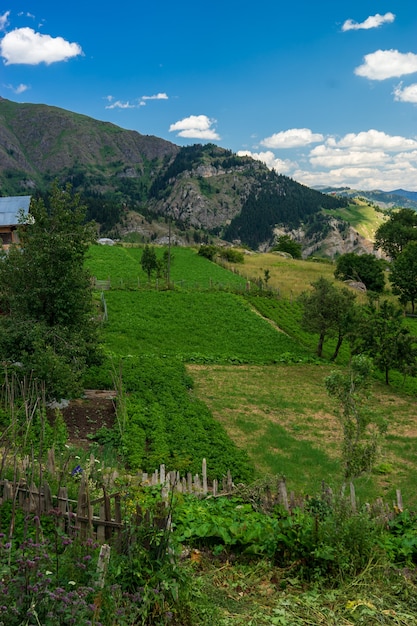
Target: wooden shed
(11,208)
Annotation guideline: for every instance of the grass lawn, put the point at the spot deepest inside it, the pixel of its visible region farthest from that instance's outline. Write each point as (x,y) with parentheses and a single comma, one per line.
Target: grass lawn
(284,418)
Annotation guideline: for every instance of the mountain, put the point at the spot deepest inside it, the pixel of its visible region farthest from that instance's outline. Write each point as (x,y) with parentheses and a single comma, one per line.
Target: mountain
(384,199)
(125,177)
(39,142)
(410,195)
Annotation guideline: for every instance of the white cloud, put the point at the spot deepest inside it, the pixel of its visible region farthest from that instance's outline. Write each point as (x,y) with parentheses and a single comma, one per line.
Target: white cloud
(19,89)
(118,104)
(406,94)
(158,96)
(384,64)
(365,160)
(25,46)
(392,176)
(373,21)
(373,140)
(4,20)
(195,127)
(270,160)
(292,138)
(324,156)
(138,102)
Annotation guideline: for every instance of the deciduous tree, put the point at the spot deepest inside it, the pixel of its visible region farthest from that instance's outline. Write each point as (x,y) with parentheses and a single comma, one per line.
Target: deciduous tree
(403,275)
(361,429)
(397,232)
(327,311)
(365,268)
(380,333)
(149,261)
(287,244)
(46,294)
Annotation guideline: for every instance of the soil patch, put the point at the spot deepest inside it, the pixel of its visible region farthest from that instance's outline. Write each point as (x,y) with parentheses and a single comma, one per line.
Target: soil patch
(85,416)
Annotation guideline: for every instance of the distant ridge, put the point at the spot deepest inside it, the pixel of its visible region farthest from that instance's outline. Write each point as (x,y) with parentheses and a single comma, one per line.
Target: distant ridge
(121,173)
(384,199)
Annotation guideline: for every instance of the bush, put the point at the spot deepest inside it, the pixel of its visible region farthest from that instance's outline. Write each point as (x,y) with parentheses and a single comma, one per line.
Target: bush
(232,255)
(208,252)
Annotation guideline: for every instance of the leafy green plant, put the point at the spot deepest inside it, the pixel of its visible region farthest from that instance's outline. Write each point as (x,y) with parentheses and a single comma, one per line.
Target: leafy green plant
(361,430)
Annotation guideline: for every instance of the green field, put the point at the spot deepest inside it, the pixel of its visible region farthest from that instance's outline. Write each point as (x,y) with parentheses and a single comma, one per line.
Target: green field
(198,327)
(121,265)
(264,386)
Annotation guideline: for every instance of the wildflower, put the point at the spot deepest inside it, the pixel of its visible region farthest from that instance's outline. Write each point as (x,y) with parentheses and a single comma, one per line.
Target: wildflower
(77,470)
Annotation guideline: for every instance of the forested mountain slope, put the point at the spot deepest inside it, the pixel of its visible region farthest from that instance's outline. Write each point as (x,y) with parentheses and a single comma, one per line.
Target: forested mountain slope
(116,170)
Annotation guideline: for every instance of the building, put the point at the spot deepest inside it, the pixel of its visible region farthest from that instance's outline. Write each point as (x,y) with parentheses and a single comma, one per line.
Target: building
(11,210)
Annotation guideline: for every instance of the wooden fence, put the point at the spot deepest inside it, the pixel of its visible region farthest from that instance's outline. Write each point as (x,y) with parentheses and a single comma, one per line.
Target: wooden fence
(102,517)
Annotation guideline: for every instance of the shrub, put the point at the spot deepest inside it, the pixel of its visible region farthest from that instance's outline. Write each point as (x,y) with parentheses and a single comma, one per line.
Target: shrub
(232,255)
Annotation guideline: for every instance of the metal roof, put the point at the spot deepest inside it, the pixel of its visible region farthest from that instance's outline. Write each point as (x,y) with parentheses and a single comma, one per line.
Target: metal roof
(10,207)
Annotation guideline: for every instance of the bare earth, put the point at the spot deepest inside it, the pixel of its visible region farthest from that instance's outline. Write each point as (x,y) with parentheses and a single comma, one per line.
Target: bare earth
(85,416)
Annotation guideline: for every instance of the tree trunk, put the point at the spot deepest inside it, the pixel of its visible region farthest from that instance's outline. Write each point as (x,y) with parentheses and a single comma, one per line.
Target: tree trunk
(338,346)
(320,345)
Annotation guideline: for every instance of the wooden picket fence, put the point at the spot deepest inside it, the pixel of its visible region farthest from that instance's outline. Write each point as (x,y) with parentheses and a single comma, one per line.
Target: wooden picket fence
(102,517)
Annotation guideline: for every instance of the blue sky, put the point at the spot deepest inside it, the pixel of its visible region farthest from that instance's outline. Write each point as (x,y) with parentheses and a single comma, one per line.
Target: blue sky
(324,92)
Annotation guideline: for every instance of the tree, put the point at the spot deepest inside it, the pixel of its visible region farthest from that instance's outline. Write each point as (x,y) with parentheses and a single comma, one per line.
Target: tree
(397,232)
(381,334)
(360,437)
(287,244)
(327,311)
(365,268)
(403,275)
(149,261)
(46,295)
(163,265)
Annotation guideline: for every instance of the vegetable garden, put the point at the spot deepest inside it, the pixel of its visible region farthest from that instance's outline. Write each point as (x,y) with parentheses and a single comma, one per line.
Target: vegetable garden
(207,370)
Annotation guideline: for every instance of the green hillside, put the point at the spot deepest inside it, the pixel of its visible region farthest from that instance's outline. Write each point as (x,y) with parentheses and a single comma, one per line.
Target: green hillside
(209,365)
(257,380)
(365,217)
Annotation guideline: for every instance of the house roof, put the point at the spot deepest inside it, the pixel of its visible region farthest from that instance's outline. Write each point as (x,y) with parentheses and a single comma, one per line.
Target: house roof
(10,207)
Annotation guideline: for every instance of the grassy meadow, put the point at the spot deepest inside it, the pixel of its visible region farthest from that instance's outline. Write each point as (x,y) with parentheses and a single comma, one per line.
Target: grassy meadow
(254,368)
(289,277)
(362,216)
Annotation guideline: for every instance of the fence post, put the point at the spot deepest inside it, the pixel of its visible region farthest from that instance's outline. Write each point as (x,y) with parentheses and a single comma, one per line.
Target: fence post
(102,564)
(204,476)
(62,506)
(47,497)
(51,462)
(352,497)
(282,491)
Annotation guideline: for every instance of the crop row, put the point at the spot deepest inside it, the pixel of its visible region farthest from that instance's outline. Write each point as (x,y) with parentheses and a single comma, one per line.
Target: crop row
(214,327)
(121,265)
(160,420)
